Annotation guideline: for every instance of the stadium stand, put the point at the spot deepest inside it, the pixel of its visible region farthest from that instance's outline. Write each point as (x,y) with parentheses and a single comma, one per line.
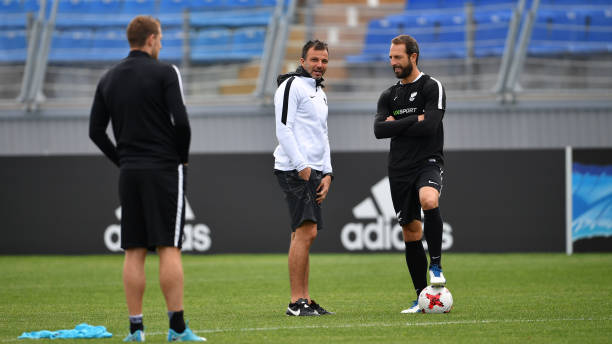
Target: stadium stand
(13,46)
(562,26)
(214,23)
(229,35)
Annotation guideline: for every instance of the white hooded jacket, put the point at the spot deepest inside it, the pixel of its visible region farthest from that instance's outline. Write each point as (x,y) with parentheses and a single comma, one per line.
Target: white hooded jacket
(300,108)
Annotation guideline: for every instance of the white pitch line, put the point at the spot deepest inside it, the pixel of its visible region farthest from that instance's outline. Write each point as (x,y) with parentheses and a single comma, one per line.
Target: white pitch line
(430,323)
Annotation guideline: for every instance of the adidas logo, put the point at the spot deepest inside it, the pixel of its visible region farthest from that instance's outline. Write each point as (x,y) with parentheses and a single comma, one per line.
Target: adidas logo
(196,237)
(383,231)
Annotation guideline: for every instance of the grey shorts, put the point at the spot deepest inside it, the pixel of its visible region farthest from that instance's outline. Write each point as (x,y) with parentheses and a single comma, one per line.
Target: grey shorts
(301,197)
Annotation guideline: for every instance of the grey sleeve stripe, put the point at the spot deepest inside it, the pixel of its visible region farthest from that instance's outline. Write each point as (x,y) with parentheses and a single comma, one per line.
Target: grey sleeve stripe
(178,75)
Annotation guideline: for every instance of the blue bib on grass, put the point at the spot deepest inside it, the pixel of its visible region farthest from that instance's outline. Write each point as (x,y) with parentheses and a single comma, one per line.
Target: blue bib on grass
(80,331)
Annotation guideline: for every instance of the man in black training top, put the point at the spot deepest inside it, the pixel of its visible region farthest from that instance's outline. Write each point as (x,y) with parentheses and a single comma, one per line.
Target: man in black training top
(143,99)
(410,113)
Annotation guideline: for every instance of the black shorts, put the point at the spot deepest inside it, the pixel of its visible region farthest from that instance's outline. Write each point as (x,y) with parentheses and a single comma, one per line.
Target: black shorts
(152,207)
(405,191)
(301,197)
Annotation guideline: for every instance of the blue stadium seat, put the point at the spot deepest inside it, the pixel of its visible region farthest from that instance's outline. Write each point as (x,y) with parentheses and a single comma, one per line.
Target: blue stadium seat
(173,6)
(34,6)
(211,45)
(491,32)
(558,31)
(423,4)
(248,43)
(241,3)
(109,45)
(105,6)
(439,35)
(171,12)
(172,45)
(13,20)
(266,3)
(245,18)
(73,45)
(13,46)
(73,6)
(11,6)
(205,4)
(136,7)
(598,29)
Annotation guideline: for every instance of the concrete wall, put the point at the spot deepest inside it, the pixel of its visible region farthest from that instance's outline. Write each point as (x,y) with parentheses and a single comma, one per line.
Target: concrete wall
(243,129)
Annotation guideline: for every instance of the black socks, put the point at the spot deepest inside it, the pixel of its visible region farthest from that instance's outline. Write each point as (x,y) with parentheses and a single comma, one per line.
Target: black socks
(177,322)
(136,323)
(417,264)
(433,234)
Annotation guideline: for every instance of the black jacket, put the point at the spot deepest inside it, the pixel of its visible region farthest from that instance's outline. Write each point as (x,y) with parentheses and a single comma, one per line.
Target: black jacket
(143,99)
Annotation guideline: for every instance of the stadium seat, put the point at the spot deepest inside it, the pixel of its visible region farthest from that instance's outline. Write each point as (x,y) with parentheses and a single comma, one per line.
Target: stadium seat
(172,45)
(73,45)
(491,32)
(173,6)
(211,45)
(105,6)
(558,31)
(598,29)
(267,3)
(73,6)
(11,6)
(171,12)
(136,7)
(241,3)
(423,4)
(109,45)
(248,43)
(205,4)
(231,18)
(13,46)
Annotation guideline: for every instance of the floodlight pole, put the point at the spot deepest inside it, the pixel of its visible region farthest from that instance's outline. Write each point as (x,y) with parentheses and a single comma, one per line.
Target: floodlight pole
(521,53)
(33,47)
(280,47)
(469,42)
(504,69)
(266,58)
(36,96)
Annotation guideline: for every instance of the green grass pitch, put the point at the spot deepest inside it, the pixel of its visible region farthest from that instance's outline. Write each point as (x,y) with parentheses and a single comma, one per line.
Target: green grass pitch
(499,298)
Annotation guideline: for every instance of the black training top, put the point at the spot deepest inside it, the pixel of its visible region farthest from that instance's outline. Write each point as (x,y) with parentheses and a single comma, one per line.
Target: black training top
(412,142)
(143,98)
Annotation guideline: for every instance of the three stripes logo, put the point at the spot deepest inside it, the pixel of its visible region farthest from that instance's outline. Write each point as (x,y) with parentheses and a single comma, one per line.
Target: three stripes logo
(378,228)
(196,237)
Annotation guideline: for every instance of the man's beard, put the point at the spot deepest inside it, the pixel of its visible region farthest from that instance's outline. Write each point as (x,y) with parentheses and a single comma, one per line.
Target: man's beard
(402,74)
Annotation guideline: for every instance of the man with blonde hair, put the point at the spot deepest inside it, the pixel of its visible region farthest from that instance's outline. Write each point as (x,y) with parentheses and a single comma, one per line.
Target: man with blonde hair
(144,100)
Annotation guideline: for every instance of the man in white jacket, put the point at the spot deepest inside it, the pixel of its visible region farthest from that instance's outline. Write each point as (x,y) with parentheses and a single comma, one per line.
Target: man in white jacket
(303,165)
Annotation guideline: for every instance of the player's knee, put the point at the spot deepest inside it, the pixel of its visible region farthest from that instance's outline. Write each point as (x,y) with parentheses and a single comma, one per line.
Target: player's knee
(413,236)
(412,231)
(429,202)
(307,232)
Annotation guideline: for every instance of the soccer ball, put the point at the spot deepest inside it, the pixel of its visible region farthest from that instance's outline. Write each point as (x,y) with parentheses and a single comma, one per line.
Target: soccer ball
(435,299)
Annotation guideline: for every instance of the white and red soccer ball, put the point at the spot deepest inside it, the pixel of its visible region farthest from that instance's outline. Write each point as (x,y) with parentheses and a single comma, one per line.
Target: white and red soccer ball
(435,299)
